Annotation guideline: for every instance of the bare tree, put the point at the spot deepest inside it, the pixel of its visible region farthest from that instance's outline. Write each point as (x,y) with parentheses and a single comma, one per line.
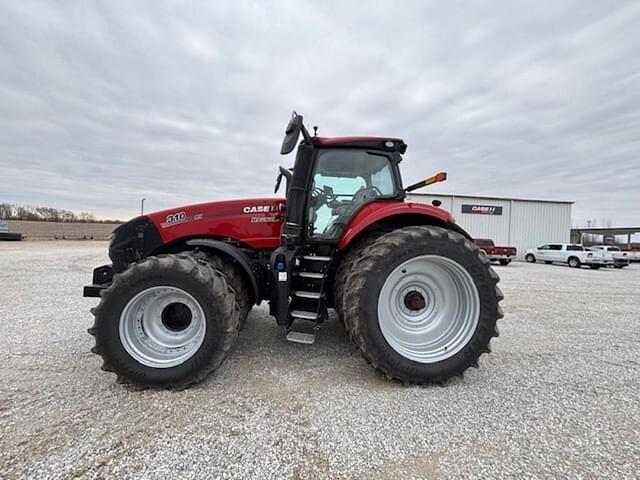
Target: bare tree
(9,211)
(86,217)
(5,211)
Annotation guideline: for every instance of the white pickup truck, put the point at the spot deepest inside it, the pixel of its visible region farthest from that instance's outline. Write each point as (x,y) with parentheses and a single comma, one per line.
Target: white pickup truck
(618,258)
(572,254)
(634,255)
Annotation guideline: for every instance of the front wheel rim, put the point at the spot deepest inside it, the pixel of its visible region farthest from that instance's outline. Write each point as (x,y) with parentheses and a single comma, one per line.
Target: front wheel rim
(428,308)
(162,327)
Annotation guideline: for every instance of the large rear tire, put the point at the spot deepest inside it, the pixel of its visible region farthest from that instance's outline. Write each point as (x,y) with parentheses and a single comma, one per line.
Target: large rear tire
(344,271)
(421,304)
(167,321)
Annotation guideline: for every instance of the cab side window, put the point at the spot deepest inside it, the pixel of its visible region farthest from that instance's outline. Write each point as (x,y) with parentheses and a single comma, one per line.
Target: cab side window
(344,180)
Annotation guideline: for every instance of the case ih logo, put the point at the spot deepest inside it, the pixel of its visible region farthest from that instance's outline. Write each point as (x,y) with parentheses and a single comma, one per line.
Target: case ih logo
(482,209)
(264,208)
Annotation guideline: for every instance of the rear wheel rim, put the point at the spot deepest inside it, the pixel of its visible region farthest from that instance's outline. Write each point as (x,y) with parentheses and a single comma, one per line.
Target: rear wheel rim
(162,327)
(428,308)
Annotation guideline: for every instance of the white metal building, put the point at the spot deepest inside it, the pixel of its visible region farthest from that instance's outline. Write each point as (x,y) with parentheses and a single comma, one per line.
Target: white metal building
(515,222)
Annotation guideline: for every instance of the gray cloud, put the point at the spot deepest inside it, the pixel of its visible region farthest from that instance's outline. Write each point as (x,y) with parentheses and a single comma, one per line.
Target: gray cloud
(103,103)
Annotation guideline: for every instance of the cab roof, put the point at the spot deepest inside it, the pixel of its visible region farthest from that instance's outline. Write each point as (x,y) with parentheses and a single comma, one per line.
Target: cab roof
(389,144)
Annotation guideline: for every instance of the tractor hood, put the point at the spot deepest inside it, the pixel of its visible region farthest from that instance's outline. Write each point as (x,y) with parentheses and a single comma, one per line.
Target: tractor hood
(254,222)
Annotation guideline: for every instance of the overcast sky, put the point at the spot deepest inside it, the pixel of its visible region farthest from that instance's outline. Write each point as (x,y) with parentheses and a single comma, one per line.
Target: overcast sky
(103,103)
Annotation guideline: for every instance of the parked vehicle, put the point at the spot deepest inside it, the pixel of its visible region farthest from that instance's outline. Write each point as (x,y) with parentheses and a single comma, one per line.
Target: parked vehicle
(634,255)
(572,254)
(618,258)
(504,255)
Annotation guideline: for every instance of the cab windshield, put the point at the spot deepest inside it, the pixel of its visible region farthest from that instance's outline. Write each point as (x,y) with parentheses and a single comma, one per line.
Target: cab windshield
(343,181)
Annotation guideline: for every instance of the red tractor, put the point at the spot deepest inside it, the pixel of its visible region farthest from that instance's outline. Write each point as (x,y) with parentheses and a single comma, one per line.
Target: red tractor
(416,295)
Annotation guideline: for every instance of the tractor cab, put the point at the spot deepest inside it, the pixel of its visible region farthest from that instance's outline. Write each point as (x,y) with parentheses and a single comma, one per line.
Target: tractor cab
(336,177)
(333,179)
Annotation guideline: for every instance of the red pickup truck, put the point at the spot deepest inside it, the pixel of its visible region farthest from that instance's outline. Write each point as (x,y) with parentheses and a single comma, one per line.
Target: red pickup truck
(504,255)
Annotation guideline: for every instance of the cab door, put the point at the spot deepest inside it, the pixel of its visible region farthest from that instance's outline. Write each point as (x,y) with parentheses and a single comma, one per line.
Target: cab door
(556,253)
(542,253)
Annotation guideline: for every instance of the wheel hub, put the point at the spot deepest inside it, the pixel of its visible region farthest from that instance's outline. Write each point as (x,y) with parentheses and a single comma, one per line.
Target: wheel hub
(176,317)
(414,301)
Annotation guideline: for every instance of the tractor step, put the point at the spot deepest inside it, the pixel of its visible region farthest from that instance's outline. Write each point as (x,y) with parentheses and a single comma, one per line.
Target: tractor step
(318,258)
(315,275)
(304,315)
(305,294)
(301,337)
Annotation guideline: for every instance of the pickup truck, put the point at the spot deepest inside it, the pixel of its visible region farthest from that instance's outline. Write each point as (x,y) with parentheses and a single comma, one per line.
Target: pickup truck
(504,255)
(618,258)
(573,255)
(634,255)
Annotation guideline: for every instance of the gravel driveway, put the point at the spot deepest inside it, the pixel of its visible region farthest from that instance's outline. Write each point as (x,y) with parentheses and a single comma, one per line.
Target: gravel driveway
(559,396)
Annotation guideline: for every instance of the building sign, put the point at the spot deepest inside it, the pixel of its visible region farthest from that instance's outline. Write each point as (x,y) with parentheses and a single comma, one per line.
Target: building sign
(482,209)
(4,226)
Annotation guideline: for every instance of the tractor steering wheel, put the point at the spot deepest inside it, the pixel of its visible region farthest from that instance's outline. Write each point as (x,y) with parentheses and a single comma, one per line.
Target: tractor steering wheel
(322,196)
(365,193)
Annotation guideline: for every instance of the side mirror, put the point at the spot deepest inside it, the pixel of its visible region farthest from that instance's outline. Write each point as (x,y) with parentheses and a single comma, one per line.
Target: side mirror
(283,173)
(291,134)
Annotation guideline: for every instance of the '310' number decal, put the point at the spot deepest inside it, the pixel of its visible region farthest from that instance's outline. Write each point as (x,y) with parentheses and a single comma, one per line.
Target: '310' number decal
(176,218)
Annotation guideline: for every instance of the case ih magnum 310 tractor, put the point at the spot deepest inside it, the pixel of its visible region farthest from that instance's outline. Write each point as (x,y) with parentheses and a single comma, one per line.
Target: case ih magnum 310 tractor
(416,295)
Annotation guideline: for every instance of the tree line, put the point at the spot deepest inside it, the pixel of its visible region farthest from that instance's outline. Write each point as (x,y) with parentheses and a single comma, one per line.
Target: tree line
(10,211)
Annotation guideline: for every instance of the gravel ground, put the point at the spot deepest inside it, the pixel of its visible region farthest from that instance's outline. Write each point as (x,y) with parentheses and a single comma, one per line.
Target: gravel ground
(558,397)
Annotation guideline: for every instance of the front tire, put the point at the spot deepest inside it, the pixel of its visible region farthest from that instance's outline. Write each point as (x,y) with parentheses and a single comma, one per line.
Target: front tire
(234,278)
(530,258)
(505,261)
(167,321)
(421,304)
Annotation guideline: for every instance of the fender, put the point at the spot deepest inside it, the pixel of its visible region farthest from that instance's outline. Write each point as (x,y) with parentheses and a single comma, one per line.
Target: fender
(375,212)
(235,253)
(457,228)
